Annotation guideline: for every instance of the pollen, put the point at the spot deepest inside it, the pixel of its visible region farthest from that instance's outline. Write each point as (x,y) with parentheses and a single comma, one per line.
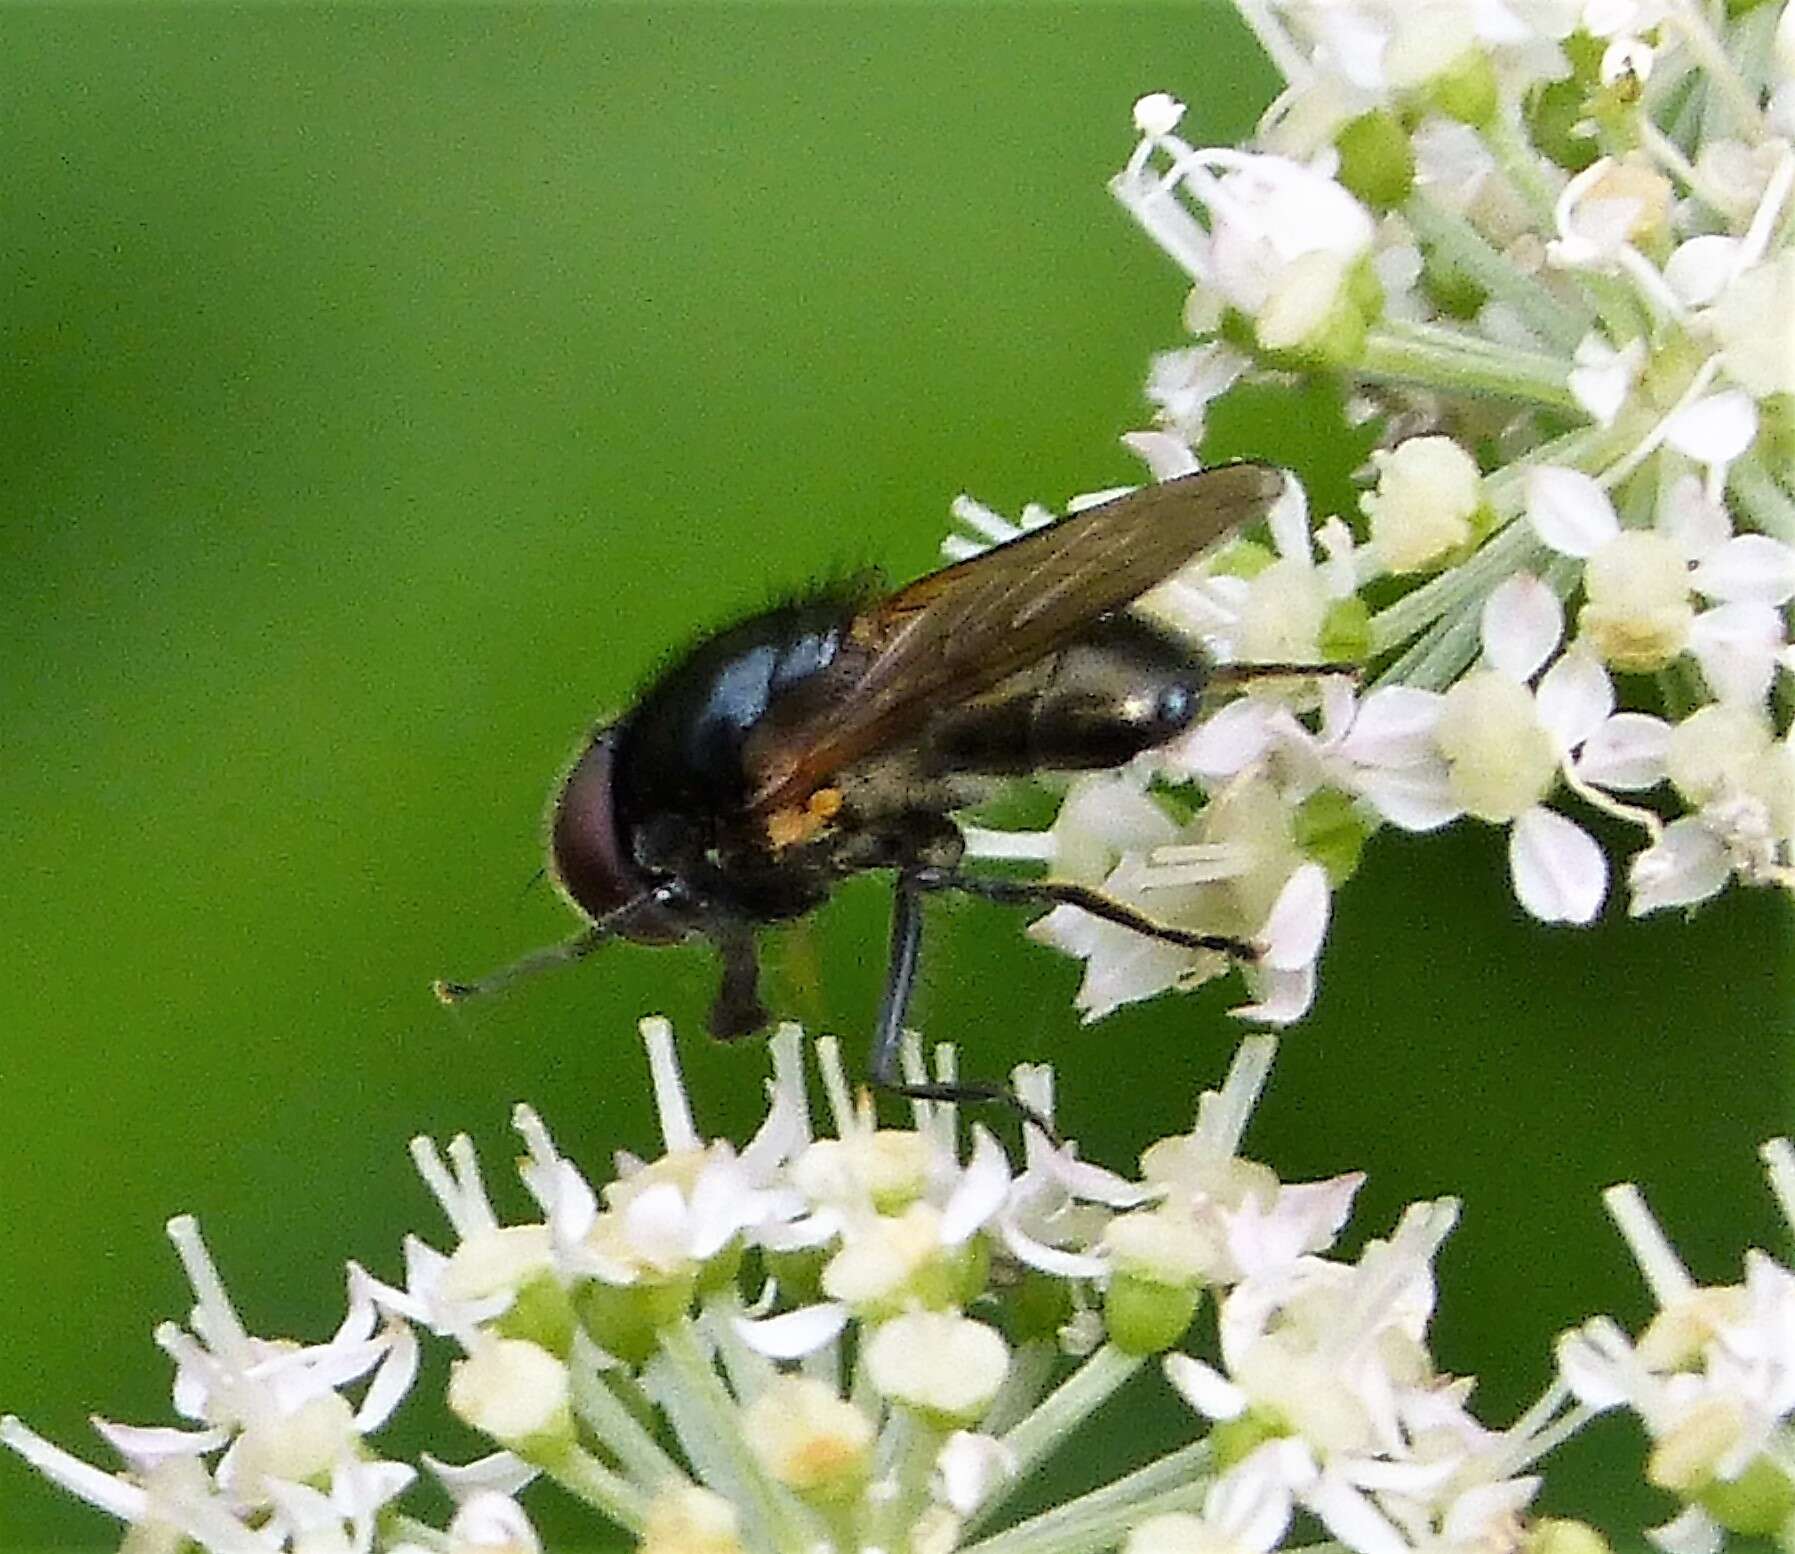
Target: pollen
(794,824)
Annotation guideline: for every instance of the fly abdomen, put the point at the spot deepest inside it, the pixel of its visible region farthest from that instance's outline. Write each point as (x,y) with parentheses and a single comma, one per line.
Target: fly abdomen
(1119,688)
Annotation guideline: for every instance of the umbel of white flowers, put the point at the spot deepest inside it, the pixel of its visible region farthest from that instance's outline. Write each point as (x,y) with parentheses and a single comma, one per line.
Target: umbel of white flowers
(1546,246)
(859,1339)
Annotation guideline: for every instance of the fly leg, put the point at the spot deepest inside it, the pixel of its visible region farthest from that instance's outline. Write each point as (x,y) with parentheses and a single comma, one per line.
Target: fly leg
(738,1010)
(894,1003)
(1065,893)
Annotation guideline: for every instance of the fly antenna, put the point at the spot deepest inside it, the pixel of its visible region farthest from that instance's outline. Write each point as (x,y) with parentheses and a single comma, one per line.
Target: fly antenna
(550,956)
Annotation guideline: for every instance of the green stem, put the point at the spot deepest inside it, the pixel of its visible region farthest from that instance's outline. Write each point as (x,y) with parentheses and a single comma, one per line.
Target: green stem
(1030,1366)
(586,1478)
(609,1418)
(1448,359)
(1459,243)
(1722,77)
(1178,1481)
(1061,1412)
(1523,166)
(708,1423)
(906,1456)
(1762,496)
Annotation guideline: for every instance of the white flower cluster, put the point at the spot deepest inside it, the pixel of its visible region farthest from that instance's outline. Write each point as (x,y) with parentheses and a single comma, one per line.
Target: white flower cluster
(865,1338)
(1549,248)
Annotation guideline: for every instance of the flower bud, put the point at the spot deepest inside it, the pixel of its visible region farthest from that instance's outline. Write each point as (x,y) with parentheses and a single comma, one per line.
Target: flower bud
(1428,495)
(517,1393)
(690,1520)
(1558,1535)
(625,1320)
(809,1439)
(941,1364)
(1143,1316)
(1377,162)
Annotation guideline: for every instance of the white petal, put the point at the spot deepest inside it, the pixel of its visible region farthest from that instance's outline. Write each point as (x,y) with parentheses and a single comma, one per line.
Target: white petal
(113,1495)
(1699,269)
(1354,1519)
(1522,622)
(793,1334)
(391,1382)
(1049,1259)
(1626,753)
(1283,997)
(971,1466)
(1394,727)
(1688,864)
(1591,1373)
(1569,511)
(1715,429)
(143,1446)
(1692,1532)
(501,1473)
(1738,647)
(1206,1389)
(1560,875)
(1289,520)
(1228,743)
(1299,920)
(1165,455)
(980,1191)
(1692,520)
(1750,567)
(1413,798)
(1575,696)
(1157,114)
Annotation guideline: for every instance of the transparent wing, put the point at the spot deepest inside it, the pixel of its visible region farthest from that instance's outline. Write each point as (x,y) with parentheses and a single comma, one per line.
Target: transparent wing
(955,633)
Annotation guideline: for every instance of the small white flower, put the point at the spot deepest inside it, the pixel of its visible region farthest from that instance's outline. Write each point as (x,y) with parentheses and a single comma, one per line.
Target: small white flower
(1603,377)
(938,1362)
(1428,491)
(512,1390)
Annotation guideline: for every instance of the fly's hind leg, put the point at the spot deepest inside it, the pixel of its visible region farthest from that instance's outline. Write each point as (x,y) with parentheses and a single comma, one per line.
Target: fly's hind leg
(1065,893)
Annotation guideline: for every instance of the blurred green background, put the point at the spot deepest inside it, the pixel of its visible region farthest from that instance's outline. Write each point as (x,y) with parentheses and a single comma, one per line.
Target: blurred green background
(385,390)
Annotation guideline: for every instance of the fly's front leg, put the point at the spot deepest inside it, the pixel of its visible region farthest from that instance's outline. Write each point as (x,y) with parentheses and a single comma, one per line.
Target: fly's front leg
(894,1003)
(738,1010)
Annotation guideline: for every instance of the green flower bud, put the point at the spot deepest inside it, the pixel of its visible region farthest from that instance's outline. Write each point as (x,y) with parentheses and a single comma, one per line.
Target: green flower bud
(1244,559)
(541,1312)
(1346,631)
(1234,1440)
(1328,829)
(1144,1316)
(1465,90)
(1377,163)
(625,1320)
(1557,1535)
(1756,1504)
(798,1274)
(1036,1308)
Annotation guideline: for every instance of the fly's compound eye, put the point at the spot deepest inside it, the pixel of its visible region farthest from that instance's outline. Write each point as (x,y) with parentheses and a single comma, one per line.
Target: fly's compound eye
(591,857)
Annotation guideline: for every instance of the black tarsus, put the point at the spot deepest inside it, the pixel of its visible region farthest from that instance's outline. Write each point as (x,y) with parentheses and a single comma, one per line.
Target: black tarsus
(1065,893)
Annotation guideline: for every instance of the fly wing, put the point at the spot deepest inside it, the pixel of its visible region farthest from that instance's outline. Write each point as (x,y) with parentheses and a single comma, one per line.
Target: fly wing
(955,633)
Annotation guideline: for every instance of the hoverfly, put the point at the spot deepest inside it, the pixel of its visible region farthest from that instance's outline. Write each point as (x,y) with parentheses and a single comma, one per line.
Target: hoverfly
(841,733)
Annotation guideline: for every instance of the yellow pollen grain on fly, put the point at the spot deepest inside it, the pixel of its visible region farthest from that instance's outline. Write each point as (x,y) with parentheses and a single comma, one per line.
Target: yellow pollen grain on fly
(793,824)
